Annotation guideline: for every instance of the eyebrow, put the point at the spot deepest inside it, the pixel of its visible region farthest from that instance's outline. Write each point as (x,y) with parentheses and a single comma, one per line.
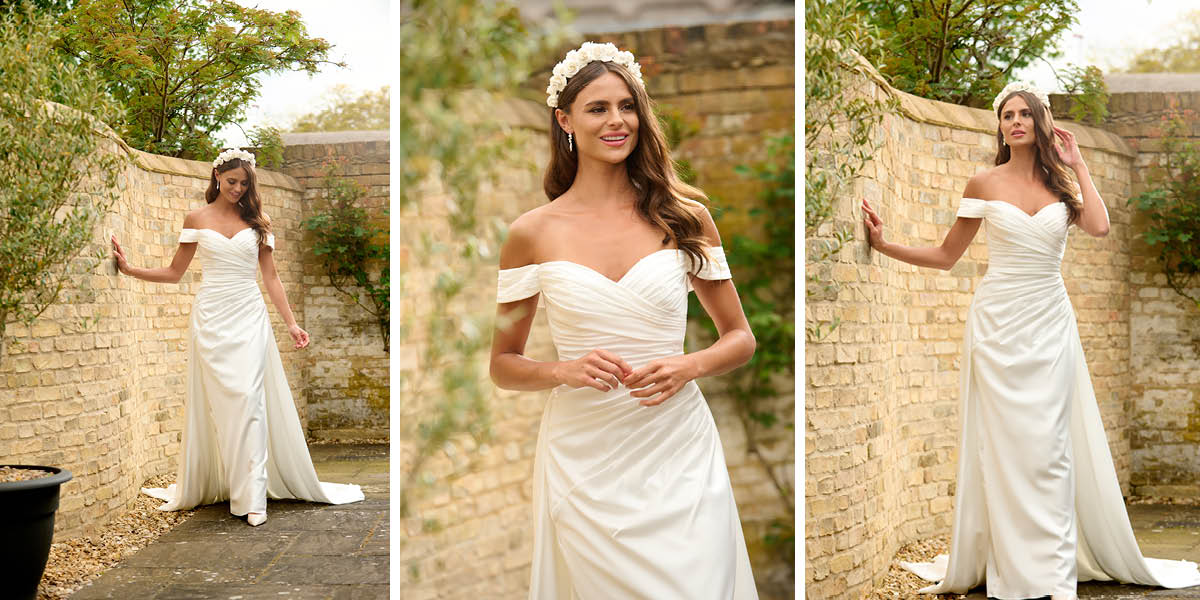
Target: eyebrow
(626,99)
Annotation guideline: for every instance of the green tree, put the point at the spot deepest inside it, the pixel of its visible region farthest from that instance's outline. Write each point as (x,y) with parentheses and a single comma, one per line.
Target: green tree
(347,112)
(962,51)
(1182,56)
(58,178)
(184,69)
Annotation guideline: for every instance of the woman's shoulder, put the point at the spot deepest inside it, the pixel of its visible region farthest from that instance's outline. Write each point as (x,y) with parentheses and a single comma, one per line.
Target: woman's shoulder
(195,219)
(982,184)
(520,243)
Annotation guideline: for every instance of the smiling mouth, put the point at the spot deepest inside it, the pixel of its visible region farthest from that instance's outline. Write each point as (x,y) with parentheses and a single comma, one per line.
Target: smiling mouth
(614,140)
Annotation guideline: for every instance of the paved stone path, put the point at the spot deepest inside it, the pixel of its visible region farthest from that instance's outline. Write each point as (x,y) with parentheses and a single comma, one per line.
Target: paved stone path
(1163,531)
(304,551)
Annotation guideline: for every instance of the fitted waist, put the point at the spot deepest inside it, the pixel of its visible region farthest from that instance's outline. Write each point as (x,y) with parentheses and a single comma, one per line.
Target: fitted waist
(1024,269)
(635,354)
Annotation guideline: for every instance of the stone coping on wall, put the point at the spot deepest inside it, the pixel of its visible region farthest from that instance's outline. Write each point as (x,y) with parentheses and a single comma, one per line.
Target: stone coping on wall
(936,112)
(310,138)
(170,165)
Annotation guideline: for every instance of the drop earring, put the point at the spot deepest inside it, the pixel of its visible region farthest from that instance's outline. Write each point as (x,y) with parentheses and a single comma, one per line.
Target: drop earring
(570,142)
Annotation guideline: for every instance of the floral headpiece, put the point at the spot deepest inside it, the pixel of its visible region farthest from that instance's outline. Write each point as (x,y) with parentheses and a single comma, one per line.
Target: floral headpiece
(580,58)
(231,154)
(1021,86)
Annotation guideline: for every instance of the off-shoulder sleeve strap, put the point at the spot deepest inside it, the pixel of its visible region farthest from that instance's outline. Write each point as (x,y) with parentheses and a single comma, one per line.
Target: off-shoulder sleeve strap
(972,207)
(716,267)
(271,240)
(187,236)
(517,284)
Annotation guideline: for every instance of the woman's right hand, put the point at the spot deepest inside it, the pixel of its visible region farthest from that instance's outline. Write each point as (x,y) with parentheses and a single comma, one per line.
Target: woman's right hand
(874,226)
(598,369)
(119,255)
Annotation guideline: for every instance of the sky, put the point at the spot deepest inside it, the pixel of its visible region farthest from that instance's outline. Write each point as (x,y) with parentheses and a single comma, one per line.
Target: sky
(360,31)
(1110,32)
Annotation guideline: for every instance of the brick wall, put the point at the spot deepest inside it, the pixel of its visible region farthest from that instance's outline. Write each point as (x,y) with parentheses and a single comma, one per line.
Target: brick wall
(882,391)
(346,368)
(736,82)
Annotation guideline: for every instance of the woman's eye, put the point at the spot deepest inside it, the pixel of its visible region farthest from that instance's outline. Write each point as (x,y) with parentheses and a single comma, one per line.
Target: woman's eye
(627,107)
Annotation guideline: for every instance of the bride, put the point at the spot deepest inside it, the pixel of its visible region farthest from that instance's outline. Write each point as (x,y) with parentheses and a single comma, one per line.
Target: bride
(1037,506)
(242,439)
(631,494)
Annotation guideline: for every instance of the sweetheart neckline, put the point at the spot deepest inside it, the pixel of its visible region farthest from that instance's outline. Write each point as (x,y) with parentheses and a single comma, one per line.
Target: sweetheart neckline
(623,275)
(219,233)
(1022,211)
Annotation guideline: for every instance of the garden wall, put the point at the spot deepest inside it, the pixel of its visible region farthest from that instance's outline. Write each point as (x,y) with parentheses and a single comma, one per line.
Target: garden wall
(468,533)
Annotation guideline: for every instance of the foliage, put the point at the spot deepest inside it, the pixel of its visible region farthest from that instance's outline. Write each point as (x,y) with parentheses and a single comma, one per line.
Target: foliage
(1172,205)
(58,181)
(459,60)
(959,51)
(765,265)
(346,112)
(352,250)
(1089,93)
(268,145)
(839,125)
(45,7)
(183,69)
(1182,56)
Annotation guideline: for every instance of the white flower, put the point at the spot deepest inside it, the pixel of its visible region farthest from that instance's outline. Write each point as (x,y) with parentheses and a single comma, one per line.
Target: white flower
(579,58)
(1020,86)
(231,154)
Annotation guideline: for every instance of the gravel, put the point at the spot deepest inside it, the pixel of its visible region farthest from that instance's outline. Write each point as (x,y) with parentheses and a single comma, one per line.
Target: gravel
(10,474)
(900,583)
(75,562)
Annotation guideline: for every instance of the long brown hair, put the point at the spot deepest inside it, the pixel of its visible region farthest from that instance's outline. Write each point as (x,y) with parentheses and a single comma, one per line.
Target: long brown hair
(660,193)
(249,205)
(1048,164)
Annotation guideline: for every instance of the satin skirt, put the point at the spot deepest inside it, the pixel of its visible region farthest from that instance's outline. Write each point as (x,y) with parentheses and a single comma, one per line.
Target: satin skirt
(242,437)
(1038,506)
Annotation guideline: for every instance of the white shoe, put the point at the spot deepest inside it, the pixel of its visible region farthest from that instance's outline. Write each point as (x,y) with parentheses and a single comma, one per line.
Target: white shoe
(256,519)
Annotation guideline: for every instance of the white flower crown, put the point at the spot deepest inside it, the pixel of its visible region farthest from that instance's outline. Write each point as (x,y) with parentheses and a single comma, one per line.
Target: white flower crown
(1021,86)
(231,154)
(580,58)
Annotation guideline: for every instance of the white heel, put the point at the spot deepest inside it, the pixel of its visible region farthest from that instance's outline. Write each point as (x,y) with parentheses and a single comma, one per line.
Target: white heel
(256,519)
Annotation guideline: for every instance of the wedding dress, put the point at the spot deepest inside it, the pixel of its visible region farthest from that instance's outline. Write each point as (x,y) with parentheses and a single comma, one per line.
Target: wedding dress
(1037,506)
(242,438)
(629,501)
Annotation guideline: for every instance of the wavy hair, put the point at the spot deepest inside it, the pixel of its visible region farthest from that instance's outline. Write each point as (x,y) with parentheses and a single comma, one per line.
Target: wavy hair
(1050,167)
(660,193)
(249,205)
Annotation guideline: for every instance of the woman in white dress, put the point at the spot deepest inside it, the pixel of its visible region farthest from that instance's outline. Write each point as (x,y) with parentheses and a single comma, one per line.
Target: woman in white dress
(242,438)
(1038,506)
(632,497)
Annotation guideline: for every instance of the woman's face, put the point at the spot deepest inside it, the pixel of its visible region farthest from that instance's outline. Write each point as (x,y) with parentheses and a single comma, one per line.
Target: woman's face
(604,120)
(1016,122)
(233,184)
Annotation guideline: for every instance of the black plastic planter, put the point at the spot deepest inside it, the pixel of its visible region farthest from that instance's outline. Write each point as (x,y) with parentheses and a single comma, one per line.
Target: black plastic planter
(27,518)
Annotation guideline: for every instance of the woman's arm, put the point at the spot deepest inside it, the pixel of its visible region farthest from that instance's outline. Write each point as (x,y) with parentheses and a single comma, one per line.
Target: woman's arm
(169,274)
(509,368)
(1093,218)
(266,263)
(662,378)
(939,257)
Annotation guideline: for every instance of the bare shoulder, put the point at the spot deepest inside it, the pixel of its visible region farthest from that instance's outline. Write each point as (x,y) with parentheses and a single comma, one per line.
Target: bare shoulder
(981,184)
(708,226)
(195,219)
(520,245)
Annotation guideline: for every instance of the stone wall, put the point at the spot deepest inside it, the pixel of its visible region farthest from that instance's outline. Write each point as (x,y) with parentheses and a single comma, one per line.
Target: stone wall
(106,401)
(882,390)
(1164,326)
(468,534)
(346,367)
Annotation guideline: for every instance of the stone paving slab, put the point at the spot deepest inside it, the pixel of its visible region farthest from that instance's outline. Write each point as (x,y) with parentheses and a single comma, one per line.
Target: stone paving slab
(1162,531)
(304,550)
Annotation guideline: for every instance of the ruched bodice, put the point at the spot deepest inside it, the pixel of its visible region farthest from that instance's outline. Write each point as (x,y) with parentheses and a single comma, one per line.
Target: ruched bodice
(224,259)
(1037,503)
(630,501)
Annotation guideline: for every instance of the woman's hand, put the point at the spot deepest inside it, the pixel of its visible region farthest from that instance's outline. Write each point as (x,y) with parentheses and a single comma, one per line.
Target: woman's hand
(661,378)
(1067,149)
(874,226)
(299,336)
(598,369)
(119,255)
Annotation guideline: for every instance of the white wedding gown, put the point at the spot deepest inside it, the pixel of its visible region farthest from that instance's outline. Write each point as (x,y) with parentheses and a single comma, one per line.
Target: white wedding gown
(629,501)
(1038,506)
(242,438)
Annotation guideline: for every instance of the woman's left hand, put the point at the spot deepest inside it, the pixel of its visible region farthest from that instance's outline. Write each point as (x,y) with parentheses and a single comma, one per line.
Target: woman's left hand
(1067,149)
(661,378)
(299,336)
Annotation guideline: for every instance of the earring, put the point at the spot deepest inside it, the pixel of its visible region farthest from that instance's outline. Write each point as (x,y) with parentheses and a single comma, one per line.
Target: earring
(218,185)
(570,142)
